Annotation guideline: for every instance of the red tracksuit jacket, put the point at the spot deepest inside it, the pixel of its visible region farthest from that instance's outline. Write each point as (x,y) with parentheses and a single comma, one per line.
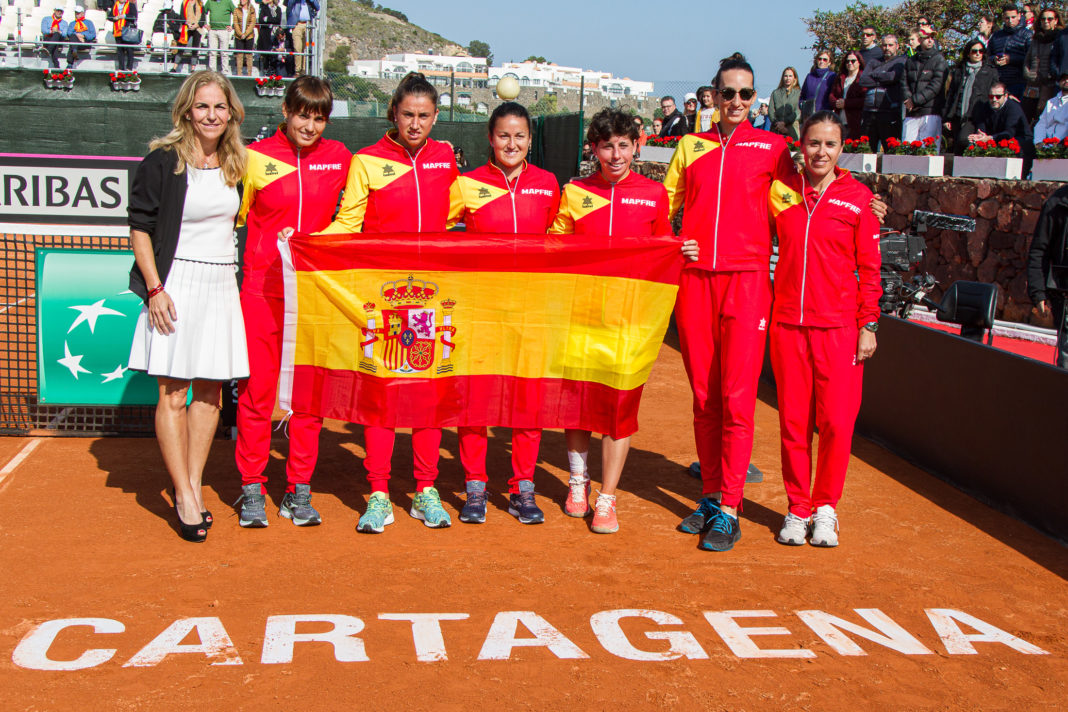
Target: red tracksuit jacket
(723,184)
(828,269)
(634,207)
(389,190)
(485,202)
(286,187)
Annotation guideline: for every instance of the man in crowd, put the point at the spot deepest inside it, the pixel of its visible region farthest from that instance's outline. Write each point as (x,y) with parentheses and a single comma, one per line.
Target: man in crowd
(54,31)
(1047,267)
(1004,119)
(1007,50)
(881,118)
(658,125)
(869,46)
(299,13)
(923,83)
(674,123)
(220,14)
(1053,123)
(79,32)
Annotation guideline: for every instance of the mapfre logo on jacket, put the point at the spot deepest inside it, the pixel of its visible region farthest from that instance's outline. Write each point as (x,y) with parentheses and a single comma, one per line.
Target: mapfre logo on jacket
(633,207)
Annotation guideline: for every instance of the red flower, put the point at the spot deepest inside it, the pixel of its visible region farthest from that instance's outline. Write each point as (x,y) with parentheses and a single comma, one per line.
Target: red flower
(1049,141)
(916,144)
(1003,143)
(864,139)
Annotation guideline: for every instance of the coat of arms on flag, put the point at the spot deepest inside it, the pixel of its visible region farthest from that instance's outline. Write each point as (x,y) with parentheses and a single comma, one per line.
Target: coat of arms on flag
(407,328)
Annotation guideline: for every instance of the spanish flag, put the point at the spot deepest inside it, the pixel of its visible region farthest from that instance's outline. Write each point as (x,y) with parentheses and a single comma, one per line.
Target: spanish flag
(446,329)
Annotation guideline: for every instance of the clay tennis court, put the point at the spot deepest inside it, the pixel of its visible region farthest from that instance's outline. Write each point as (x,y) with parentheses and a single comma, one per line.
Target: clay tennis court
(87,532)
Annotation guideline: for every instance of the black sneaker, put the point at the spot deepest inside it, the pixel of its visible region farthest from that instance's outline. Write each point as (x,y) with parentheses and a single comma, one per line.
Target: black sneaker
(522,505)
(722,534)
(474,511)
(699,520)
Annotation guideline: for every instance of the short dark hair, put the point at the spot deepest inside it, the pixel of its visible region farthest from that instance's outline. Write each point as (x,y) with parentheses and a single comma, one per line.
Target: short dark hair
(413,84)
(704,89)
(607,123)
(309,94)
(822,117)
(668,96)
(735,61)
(988,17)
(508,108)
(1010,6)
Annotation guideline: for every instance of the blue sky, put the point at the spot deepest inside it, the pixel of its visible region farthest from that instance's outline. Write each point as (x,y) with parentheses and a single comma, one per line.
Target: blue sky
(678,40)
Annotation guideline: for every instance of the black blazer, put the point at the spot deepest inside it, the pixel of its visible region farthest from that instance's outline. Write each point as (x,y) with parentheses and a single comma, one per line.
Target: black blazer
(157,200)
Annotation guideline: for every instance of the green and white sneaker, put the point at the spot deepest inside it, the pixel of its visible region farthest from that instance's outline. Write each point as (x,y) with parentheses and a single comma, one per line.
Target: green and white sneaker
(379,514)
(427,507)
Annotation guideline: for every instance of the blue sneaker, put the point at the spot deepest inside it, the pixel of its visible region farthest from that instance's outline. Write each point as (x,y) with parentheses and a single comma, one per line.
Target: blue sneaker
(474,511)
(523,507)
(722,533)
(427,507)
(697,521)
(379,513)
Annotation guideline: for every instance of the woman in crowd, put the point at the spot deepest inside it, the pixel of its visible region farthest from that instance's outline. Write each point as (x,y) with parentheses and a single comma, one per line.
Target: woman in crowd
(823,324)
(1041,84)
(522,199)
(415,200)
(123,15)
(815,93)
(244,29)
(969,85)
(630,205)
(294,180)
(847,96)
(190,334)
(190,33)
(269,17)
(785,110)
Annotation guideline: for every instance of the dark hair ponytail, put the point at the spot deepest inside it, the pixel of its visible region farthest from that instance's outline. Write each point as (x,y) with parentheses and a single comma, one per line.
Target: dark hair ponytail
(413,84)
(822,117)
(508,108)
(735,61)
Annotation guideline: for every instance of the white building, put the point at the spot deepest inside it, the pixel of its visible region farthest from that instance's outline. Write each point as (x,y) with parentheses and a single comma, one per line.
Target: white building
(553,77)
(439,69)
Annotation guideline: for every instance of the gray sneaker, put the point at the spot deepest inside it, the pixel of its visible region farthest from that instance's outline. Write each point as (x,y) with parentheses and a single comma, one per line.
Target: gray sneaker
(793,532)
(296,506)
(824,527)
(253,506)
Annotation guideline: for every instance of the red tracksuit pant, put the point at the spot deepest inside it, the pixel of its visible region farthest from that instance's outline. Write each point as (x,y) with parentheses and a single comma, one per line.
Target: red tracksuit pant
(525,444)
(256,398)
(819,381)
(426,444)
(722,319)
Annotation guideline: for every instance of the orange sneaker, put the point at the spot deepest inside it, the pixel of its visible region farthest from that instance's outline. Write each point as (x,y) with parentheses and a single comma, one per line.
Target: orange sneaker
(604,515)
(578,496)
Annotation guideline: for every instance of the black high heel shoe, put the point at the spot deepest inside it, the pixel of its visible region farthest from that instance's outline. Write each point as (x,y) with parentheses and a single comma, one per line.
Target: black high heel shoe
(208,521)
(195,533)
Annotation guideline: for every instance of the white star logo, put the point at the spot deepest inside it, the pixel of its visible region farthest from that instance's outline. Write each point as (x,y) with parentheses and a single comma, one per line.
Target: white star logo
(115,375)
(74,363)
(90,313)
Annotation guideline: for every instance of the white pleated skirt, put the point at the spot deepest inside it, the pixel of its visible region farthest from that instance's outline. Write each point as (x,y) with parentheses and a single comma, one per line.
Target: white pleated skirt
(209,336)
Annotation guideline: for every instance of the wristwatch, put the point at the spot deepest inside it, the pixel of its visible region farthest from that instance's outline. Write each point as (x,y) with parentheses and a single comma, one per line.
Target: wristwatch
(872,326)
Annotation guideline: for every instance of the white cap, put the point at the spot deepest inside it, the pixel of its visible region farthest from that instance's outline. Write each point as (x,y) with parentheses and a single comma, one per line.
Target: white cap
(690,97)
(78,9)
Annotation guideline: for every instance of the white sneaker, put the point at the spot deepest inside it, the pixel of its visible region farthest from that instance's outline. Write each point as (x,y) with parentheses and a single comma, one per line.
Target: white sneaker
(824,527)
(794,530)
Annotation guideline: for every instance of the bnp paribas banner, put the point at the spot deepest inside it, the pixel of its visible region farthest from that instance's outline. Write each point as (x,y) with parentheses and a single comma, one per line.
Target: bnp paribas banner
(85,323)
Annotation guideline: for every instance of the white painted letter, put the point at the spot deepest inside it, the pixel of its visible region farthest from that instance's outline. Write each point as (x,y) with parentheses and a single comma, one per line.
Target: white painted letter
(32,650)
(893,636)
(281,634)
(501,638)
(738,638)
(214,643)
(607,629)
(958,642)
(426,632)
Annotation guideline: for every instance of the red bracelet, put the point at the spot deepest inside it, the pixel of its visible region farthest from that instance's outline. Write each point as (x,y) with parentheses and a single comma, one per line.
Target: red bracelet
(155,290)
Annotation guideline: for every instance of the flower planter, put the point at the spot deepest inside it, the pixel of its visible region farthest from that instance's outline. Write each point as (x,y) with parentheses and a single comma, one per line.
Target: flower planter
(987,167)
(49,84)
(279,91)
(657,154)
(136,86)
(914,165)
(857,162)
(1050,169)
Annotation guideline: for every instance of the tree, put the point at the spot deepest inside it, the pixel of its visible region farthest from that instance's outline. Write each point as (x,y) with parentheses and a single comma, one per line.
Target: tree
(478,48)
(954,22)
(339,60)
(545,105)
(533,58)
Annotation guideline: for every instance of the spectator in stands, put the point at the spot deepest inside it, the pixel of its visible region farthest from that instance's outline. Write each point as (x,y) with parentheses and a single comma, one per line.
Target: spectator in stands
(1053,123)
(847,95)
(924,27)
(708,114)
(269,17)
(658,124)
(79,32)
(923,89)
(299,13)
(689,110)
(169,23)
(1047,268)
(785,109)
(984,28)
(1041,83)
(244,29)
(761,120)
(191,33)
(870,49)
(1029,16)
(123,15)
(912,45)
(1007,50)
(1003,119)
(674,123)
(815,92)
(53,32)
(643,138)
(220,14)
(969,85)
(881,117)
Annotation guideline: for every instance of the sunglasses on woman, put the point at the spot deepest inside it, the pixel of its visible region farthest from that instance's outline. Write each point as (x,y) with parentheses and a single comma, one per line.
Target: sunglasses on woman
(746,93)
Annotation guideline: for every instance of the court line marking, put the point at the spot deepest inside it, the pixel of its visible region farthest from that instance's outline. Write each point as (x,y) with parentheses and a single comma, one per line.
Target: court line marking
(20,302)
(18,458)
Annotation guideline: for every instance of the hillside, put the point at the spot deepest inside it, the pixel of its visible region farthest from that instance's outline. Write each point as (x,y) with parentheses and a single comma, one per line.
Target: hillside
(370,34)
